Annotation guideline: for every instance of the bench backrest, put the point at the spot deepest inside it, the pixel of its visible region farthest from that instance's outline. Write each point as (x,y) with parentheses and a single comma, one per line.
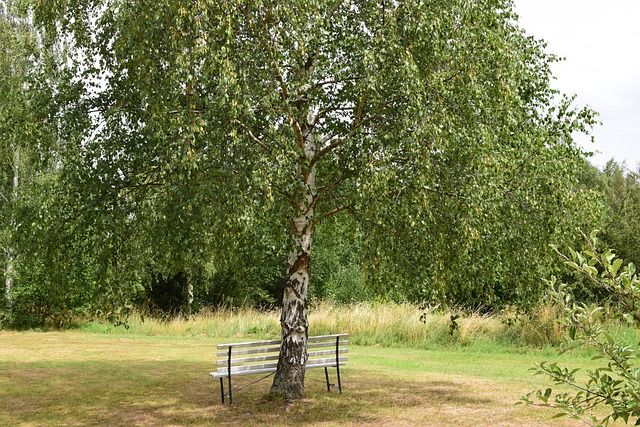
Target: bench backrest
(262,356)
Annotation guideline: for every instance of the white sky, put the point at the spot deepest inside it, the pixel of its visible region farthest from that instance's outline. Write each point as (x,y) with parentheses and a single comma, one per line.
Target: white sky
(601,43)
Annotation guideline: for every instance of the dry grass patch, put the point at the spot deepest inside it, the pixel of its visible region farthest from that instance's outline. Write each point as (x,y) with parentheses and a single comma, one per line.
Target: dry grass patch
(79,379)
(367,324)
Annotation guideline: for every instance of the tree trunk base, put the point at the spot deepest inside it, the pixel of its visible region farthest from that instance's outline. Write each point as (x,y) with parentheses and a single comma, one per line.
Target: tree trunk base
(288,383)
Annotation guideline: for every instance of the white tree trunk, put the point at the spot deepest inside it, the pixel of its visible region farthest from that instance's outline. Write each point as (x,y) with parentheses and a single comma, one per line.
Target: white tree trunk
(9,278)
(9,269)
(189,294)
(289,379)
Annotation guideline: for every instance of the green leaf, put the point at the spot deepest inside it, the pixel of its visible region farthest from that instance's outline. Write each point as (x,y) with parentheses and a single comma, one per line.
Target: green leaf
(615,266)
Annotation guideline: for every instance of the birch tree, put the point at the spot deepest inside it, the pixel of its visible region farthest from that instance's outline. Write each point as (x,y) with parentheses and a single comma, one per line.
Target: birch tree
(14,128)
(26,166)
(298,111)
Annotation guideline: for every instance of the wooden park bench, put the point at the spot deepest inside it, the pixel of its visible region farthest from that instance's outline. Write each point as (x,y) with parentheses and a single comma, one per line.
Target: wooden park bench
(261,357)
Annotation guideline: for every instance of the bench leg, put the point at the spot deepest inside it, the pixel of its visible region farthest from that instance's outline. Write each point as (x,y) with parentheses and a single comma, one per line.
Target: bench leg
(222,389)
(338,363)
(229,375)
(326,375)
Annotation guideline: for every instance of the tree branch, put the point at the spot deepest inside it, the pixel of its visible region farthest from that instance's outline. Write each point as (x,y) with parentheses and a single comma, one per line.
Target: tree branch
(288,196)
(356,126)
(356,119)
(334,8)
(340,141)
(327,189)
(284,90)
(255,138)
(334,212)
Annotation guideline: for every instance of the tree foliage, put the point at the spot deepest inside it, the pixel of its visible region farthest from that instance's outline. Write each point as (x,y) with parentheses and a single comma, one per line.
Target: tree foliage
(20,131)
(441,111)
(614,385)
(621,188)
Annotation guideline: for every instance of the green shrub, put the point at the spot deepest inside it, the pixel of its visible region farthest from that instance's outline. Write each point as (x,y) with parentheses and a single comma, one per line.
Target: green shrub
(615,384)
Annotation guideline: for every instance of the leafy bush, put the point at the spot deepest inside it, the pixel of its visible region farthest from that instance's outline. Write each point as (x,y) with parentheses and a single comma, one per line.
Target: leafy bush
(616,384)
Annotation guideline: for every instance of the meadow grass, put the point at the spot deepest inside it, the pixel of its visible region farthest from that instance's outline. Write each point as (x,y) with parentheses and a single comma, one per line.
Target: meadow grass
(79,378)
(388,325)
(401,371)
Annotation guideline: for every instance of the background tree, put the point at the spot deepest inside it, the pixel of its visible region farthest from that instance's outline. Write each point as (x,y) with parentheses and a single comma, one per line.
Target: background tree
(37,268)
(615,212)
(202,121)
(621,188)
(16,127)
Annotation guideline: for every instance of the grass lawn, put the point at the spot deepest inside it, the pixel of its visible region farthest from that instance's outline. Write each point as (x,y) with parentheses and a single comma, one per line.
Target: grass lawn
(80,378)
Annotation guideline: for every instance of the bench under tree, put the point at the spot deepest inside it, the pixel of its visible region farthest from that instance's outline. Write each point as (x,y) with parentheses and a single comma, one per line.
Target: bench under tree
(261,357)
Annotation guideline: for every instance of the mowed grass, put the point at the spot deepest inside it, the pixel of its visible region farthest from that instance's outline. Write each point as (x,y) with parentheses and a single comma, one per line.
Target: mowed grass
(81,378)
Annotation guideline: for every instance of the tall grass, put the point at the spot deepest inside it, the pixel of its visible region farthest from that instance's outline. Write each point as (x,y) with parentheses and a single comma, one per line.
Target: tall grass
(367,324)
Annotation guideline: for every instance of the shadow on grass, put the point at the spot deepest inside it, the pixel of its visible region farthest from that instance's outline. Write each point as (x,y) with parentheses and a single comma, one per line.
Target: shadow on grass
(177,393)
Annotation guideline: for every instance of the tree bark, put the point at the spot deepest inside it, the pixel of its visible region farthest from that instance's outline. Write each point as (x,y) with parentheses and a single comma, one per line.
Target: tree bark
(190,296)
(8,283)
(289,378)
(9,268)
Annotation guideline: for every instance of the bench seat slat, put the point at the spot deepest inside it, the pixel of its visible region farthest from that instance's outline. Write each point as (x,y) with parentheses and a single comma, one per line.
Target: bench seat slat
(237,374)
(259,350)
(312,363)
(331,361)
(312,354)
(247,344)
(247,359)
(315,363)
(312,344)
(263,343)
(328,337)
(249,351)
(271,367)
